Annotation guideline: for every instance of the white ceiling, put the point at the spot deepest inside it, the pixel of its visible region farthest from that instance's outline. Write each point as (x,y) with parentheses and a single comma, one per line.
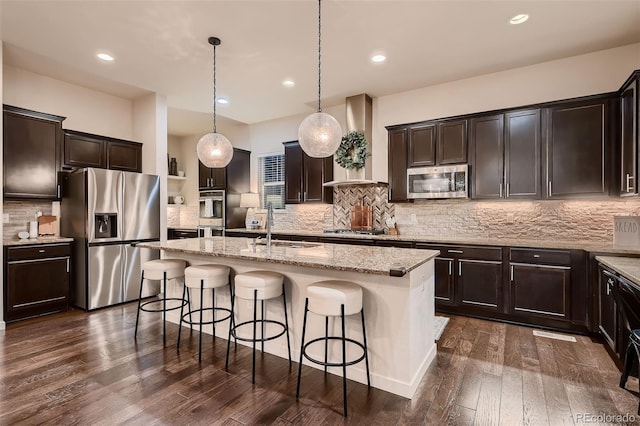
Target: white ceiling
(161,46)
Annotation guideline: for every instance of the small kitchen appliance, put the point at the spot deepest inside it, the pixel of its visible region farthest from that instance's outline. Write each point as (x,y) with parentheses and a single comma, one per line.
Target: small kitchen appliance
(437,182)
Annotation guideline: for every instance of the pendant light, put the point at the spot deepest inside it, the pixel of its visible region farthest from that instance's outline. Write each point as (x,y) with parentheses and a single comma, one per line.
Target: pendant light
(214,149)
(319,134)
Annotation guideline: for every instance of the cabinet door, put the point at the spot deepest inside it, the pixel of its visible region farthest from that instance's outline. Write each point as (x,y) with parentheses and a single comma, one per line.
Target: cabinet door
(293,164)
(628,154)
(443,269)
(522,154)
(576,149)
(238,172)
(607,319)
(398,165)
(211,178)
(539,290)
(452,142)
(487,162)
(422,146)
(84,151)
(31,157)
(36,287)
(480,284)
(204,176)
(124,156)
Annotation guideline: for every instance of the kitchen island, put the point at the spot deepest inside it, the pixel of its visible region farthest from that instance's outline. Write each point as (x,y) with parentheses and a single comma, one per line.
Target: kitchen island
(398,287)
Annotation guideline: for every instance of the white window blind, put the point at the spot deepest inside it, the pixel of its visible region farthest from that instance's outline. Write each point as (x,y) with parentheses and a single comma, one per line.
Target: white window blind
(271,180)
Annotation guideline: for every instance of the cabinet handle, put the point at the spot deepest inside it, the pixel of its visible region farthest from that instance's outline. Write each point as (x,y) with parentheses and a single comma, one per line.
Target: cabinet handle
(501,190)
(459,269)
(535,256)
(304,196)
(58,191)
(299,199)
(41,251)
(511,273)
(390,197)
(455,251)
(507,190)
(549,193)
(450,267)
(67,265)
(629,177)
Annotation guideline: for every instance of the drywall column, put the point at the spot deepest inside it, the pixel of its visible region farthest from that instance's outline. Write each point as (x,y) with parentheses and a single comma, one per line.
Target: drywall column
(149,126)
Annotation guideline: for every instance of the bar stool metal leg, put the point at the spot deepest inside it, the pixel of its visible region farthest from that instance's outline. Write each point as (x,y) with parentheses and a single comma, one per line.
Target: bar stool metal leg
(262,325)
(628,363)
(255,317)
(344,362)
(213,305)
(185,293)
(164,307)
(304,329)
(286,322)
(366,356)
(326,343)
(231,324)
(135,334)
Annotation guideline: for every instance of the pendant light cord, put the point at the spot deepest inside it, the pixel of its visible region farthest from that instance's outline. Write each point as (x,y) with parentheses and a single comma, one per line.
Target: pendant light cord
(319,51)
(214,89)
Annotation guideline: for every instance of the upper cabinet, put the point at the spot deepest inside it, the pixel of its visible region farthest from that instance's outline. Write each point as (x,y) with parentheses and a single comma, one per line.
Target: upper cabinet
(577,148)
(397,164)
(31,148)
(304,176)
(234,178)
(629,135)
(487,156)
(89,150)
(437,143)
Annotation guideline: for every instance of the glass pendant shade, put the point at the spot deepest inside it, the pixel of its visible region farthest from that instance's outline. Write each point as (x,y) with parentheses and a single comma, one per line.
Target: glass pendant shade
(319,135)
(214,150)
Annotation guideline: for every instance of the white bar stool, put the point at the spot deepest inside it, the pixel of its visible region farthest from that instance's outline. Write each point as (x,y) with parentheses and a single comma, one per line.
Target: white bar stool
(259,285)
(205,277)
(331,299)
(161,270)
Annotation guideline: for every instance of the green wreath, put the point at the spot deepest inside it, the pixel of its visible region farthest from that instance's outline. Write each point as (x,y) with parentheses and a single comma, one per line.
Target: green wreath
(352,151)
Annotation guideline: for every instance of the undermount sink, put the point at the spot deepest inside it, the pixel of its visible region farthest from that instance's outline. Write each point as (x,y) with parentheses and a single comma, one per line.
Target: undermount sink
(288,244)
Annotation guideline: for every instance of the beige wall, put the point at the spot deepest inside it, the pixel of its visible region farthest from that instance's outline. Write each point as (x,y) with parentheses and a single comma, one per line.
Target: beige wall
(86,110)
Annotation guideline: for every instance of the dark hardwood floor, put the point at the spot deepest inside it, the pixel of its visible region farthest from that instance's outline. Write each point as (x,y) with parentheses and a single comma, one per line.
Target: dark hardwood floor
(86,369)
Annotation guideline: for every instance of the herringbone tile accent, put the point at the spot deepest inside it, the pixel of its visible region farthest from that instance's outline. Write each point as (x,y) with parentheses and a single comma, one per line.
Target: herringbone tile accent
(376,196)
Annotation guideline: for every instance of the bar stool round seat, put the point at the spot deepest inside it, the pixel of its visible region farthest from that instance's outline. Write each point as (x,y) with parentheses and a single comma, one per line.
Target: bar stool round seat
(204,277)
(259,285)
(334,298)
(161,270)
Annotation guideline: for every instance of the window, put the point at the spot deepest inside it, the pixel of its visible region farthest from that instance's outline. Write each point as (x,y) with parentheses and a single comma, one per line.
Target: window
(271,180)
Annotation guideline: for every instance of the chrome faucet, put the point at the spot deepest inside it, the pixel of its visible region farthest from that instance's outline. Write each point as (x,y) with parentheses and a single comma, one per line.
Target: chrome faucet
(269,224)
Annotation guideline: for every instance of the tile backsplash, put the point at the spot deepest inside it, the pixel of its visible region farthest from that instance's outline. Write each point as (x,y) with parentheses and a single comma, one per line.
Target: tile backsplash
(21,213)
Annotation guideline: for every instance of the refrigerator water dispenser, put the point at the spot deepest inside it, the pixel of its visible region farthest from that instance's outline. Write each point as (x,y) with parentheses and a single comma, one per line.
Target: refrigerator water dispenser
(106,225)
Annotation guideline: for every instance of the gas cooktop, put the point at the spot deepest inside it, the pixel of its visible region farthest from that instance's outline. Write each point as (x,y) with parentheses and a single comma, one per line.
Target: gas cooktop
(354,231)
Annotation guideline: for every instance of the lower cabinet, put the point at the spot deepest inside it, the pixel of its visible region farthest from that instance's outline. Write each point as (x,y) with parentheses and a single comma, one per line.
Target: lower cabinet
(178,234)
(607,309)
(480,283)
(36,280)
(540,290)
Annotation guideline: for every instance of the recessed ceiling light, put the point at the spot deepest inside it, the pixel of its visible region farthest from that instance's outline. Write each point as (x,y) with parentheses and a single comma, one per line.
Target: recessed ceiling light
(288,83)
(223,101)
(519,19)
(105,57)
(378,58)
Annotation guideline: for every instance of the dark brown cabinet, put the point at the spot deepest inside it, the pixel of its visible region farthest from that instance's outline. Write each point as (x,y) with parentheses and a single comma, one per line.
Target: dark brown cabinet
(422,145)
(452,142)
(443,270)
(234,178)
(305,176)
(480,283)
(178,234)
(578,150)
(540,283)
(88,150)
(397,164)
(629,138)
(31,149)
(506,155)
(36,280)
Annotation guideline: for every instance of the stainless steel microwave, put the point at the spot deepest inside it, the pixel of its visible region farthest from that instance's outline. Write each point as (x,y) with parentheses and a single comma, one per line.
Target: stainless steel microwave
(438,182)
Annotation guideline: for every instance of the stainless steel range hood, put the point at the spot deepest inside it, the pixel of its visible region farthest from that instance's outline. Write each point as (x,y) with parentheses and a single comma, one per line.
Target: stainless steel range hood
(359,110)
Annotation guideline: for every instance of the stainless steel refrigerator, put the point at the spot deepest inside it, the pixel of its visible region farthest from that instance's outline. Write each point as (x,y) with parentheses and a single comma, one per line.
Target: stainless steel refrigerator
(105,211)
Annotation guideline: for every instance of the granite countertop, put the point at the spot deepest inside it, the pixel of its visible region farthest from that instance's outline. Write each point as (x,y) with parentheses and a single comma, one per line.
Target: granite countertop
(364,259)
(628,267)
(595,247)
(15,241)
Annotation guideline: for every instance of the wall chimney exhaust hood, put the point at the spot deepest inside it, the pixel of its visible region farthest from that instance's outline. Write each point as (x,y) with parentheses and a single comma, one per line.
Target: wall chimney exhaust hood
(359,118)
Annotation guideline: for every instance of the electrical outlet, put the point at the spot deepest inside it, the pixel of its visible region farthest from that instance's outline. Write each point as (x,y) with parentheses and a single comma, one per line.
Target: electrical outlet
(509,217)
(5,217)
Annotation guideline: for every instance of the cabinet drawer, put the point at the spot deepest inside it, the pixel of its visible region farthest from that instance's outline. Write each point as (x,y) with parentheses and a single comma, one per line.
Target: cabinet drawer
(544,257)
(470,252)
(38,252)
